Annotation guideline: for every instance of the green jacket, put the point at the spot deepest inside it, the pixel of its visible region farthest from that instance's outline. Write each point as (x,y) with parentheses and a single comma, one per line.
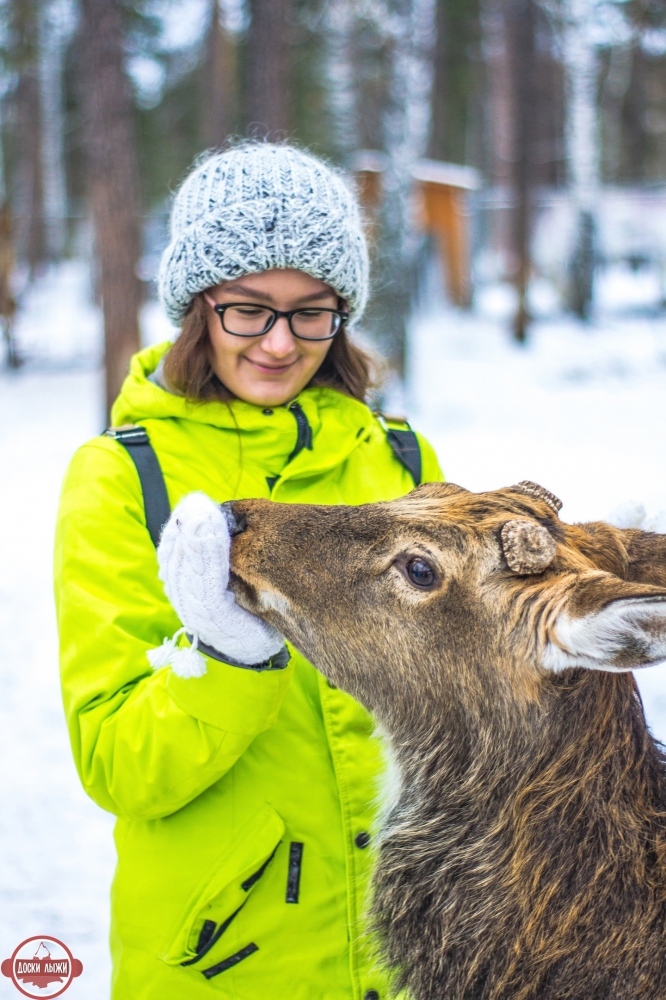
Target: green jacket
(213,777)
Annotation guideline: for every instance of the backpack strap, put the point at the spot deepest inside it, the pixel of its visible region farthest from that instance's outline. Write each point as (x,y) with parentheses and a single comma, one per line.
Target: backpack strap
(155,498)
(405,446)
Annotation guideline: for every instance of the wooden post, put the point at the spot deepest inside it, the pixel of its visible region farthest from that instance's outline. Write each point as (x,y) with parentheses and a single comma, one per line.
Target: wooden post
(444,190)
(444,216)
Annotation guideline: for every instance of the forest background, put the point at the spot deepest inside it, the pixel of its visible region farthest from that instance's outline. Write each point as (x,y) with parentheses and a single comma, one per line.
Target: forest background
(105,104)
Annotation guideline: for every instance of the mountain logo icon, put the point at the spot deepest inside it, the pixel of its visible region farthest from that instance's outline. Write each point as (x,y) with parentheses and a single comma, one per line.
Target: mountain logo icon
(42,966)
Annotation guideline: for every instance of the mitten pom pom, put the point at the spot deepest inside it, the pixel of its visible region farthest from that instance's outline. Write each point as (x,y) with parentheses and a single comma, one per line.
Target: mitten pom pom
(186,662)
(160,656)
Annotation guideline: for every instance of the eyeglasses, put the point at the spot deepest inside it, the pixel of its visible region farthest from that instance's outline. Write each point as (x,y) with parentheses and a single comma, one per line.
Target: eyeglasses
(245,319)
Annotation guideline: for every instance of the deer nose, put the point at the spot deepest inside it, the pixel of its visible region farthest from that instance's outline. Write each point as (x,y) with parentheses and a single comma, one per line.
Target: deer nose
(235,522)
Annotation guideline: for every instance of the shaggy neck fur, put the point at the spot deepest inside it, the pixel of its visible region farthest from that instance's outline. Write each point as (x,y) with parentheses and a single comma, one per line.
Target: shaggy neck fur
(527,859)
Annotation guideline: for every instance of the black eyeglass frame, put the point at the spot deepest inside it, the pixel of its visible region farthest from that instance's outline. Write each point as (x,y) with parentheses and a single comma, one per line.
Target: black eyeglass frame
(220,309)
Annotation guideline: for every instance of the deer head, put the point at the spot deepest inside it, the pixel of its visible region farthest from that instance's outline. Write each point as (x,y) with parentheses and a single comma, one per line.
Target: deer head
(486,595)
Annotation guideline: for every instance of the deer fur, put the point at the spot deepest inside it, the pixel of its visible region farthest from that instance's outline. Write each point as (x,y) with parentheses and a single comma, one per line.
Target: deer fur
(524,853)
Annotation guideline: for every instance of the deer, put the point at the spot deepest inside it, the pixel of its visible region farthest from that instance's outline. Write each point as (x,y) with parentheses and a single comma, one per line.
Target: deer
(521,848)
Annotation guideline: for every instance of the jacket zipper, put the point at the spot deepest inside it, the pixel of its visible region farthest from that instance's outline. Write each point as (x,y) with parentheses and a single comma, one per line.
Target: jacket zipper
(304,436)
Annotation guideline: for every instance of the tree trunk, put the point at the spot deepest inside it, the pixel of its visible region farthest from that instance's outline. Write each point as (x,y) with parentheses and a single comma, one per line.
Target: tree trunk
(521,42)
(28,189)
(499,116)
(342,91)
(29,192)
(220,97)
(437,143)
(406,127)
(112,182)
(7,300)
(54,30)
(582,149)
(268,66)
(7,262)
(500,109)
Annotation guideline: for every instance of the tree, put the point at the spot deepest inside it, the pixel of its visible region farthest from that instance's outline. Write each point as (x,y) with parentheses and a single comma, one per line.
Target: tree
(28,193)
(340,27)
(221,93)
(112,182)
(457,122)
(7,300)
(580,59)
(410,28)
(267,98)
(56,23)
(521,26)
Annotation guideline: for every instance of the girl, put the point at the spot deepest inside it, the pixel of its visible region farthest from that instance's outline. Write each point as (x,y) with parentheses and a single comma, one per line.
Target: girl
(243,784)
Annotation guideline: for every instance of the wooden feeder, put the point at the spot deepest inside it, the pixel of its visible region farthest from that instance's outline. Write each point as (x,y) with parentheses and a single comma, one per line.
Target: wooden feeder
(444,189)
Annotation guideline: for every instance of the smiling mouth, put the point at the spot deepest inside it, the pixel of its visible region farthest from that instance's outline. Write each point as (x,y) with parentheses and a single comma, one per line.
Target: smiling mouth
(274,369)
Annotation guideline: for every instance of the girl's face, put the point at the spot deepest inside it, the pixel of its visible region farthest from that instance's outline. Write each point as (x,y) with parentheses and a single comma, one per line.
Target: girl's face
(272,368)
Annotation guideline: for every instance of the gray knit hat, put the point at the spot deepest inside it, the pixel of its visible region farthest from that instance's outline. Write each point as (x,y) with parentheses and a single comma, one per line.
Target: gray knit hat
(258,206)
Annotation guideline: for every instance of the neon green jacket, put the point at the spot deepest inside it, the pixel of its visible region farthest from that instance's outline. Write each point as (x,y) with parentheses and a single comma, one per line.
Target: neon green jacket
(213,777)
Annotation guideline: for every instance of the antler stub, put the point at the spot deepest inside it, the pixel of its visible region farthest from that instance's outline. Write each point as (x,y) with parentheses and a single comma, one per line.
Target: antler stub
(534,490)
(528,547)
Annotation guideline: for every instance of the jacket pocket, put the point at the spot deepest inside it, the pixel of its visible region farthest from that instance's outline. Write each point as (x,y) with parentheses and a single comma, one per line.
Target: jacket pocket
(214,903)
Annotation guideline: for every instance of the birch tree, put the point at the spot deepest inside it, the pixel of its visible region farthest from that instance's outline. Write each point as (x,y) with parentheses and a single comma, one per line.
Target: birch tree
(582,136)
(340,25)
(410,26)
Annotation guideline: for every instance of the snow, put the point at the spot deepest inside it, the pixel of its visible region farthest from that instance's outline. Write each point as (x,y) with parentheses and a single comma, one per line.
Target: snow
(56,857)
(580,409)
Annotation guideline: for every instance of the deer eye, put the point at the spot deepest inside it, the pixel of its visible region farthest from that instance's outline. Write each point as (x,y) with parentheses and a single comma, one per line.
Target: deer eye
(420,573)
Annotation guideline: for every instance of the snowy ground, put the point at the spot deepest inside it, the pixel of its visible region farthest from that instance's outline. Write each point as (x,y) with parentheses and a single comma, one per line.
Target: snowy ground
(580,409)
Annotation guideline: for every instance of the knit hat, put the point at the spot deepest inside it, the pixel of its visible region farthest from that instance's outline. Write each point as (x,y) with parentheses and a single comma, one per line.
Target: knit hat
(259,206)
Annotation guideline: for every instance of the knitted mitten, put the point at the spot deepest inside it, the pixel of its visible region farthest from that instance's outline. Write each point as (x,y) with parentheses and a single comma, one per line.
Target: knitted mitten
(193,555)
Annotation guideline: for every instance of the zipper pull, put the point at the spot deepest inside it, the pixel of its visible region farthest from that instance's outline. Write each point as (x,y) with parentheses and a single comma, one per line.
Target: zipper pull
(304,436)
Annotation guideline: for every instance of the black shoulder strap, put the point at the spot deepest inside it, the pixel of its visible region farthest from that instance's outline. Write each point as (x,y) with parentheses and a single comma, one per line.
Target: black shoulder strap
(405,446)
(155,499)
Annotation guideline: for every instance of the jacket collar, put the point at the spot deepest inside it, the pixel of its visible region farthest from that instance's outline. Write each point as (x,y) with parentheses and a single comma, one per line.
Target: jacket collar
(337,420)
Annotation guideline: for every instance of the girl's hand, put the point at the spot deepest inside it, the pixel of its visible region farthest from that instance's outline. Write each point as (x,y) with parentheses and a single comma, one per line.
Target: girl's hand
(193,555)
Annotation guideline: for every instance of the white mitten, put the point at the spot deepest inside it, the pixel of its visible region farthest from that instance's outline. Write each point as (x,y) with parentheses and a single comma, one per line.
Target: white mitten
(193,555)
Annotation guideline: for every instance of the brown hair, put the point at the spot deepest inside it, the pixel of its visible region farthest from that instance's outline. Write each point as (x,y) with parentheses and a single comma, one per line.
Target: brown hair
(188,365)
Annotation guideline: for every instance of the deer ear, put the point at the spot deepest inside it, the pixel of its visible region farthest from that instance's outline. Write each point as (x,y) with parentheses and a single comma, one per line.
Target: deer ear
(646,551)
(608,625)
